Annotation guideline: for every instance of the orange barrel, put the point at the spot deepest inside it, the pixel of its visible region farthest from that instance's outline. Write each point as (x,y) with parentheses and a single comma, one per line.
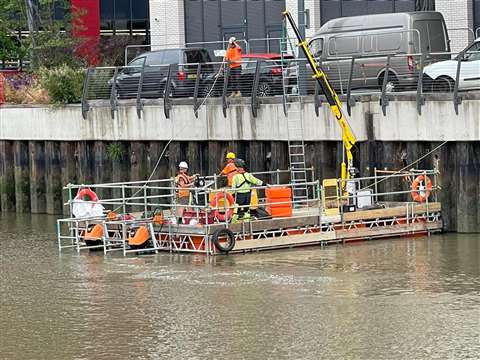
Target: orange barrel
(279,201)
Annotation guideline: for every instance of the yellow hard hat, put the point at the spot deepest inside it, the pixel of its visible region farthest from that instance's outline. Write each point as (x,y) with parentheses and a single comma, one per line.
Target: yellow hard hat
(231,155)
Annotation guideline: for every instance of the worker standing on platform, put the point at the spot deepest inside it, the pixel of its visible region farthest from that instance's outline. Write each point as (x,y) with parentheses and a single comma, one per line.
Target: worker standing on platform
(230,169)
(242,185)
(234,58)
(183,183)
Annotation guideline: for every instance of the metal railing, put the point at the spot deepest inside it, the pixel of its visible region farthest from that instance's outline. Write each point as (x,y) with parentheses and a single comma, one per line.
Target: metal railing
(154,205)
(383,75)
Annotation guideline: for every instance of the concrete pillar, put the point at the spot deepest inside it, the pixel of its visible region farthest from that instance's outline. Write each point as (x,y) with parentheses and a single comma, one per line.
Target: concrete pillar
(37,177)
(67,169)
(7,177)
(22,176)
(167,23)
(53,177)
(458,16)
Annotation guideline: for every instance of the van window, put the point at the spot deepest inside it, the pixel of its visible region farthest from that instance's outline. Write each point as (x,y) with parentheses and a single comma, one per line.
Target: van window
(389,42)
(345,45)
(171,57)
(193,56)
(316,47)
(154,58)
(436,34)
(135,66)
(432,35)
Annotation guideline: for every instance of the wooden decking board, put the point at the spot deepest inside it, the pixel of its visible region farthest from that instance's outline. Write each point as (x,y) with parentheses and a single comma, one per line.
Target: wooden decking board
(390,212)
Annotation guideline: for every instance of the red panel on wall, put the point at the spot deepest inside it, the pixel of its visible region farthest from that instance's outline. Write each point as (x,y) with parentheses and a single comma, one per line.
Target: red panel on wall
(86,26)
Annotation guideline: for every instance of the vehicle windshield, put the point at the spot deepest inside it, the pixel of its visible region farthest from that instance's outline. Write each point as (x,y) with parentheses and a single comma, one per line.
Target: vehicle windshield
(316,47)
(473,52)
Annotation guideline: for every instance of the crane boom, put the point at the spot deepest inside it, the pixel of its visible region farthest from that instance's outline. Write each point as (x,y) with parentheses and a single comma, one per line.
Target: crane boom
(348,137)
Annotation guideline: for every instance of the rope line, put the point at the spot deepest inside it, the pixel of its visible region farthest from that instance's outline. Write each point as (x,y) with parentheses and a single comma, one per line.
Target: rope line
(406,167)
(169,142)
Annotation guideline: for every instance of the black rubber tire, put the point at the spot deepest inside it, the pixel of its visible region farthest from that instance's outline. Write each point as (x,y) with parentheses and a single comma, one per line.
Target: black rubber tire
(264,89)
(216,241)
(443,85)
(392,80)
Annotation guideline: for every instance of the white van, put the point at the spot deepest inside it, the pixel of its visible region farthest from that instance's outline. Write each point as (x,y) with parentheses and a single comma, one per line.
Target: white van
(371,38)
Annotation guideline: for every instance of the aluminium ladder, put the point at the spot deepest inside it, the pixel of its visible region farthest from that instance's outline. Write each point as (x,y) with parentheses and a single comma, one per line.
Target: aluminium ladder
(296,145)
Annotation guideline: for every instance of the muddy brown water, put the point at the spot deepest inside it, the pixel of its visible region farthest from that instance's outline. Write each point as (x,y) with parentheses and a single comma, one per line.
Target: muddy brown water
(416,298)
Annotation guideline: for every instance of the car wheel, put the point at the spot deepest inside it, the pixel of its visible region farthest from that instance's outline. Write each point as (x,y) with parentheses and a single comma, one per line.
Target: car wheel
(443,85)
(392,82)
(264,89)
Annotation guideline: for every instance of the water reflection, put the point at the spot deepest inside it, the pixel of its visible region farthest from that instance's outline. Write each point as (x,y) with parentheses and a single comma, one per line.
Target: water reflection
(391,299)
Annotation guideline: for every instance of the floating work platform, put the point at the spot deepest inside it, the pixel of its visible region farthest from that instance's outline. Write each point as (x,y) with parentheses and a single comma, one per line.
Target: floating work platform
(319,218)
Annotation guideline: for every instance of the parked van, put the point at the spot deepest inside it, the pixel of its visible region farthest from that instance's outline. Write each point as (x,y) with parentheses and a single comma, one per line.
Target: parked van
(371,38)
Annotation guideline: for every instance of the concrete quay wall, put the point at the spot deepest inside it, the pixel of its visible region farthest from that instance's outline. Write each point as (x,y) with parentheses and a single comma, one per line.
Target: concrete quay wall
(438,122)
(42,149)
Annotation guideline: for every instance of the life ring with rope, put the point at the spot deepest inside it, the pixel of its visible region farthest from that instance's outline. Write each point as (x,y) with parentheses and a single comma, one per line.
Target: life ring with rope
(218,213)
(86,192)
(421,188)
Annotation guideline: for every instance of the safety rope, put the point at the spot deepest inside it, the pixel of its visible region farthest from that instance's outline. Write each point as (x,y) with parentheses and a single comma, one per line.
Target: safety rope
(171,139)
(405,167)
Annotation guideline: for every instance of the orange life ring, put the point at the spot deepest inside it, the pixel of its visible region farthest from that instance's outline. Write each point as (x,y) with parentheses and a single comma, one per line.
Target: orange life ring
(86,192)
(422,194)
(222,216)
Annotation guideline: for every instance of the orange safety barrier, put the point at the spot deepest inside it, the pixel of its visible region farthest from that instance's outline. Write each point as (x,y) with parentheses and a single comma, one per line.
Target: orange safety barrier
(279,201)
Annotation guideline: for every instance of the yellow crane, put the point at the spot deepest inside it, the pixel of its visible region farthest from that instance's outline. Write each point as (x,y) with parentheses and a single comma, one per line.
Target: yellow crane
(348,137)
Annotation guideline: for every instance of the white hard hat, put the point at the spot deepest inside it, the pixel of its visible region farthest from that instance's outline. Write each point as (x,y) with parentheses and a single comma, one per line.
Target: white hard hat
(232,39)
(183,165)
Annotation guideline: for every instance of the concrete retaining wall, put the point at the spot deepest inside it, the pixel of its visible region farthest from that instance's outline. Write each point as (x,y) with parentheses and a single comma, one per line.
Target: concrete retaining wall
(42,149)
(438,122)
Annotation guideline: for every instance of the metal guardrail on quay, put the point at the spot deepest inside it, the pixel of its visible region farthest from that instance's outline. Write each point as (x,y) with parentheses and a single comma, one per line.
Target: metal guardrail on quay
(350,76)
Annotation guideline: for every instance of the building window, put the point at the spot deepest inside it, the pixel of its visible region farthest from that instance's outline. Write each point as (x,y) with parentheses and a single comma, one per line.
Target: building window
(124,16)
(425,5)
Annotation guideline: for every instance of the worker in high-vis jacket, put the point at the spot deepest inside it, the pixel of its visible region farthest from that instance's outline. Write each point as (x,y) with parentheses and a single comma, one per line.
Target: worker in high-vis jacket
(230,169)
(234,58)
(242,185)
(183,183)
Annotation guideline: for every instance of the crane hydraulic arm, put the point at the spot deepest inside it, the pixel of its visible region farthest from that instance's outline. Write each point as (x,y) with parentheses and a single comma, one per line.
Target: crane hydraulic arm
(335,104)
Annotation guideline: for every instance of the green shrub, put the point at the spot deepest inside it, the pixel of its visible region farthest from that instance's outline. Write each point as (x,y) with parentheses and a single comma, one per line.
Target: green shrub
(115,151)
(63,84)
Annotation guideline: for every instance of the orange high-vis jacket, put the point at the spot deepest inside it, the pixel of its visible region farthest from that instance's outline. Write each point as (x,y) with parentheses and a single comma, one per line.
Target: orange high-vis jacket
(229,170)
(182,180)
(234,56)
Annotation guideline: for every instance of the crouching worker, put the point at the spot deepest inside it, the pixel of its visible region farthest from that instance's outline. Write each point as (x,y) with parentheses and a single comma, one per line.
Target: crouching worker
(242,185)
(183,183)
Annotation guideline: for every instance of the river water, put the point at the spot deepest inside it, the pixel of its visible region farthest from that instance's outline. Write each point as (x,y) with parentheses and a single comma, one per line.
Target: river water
(416,298)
